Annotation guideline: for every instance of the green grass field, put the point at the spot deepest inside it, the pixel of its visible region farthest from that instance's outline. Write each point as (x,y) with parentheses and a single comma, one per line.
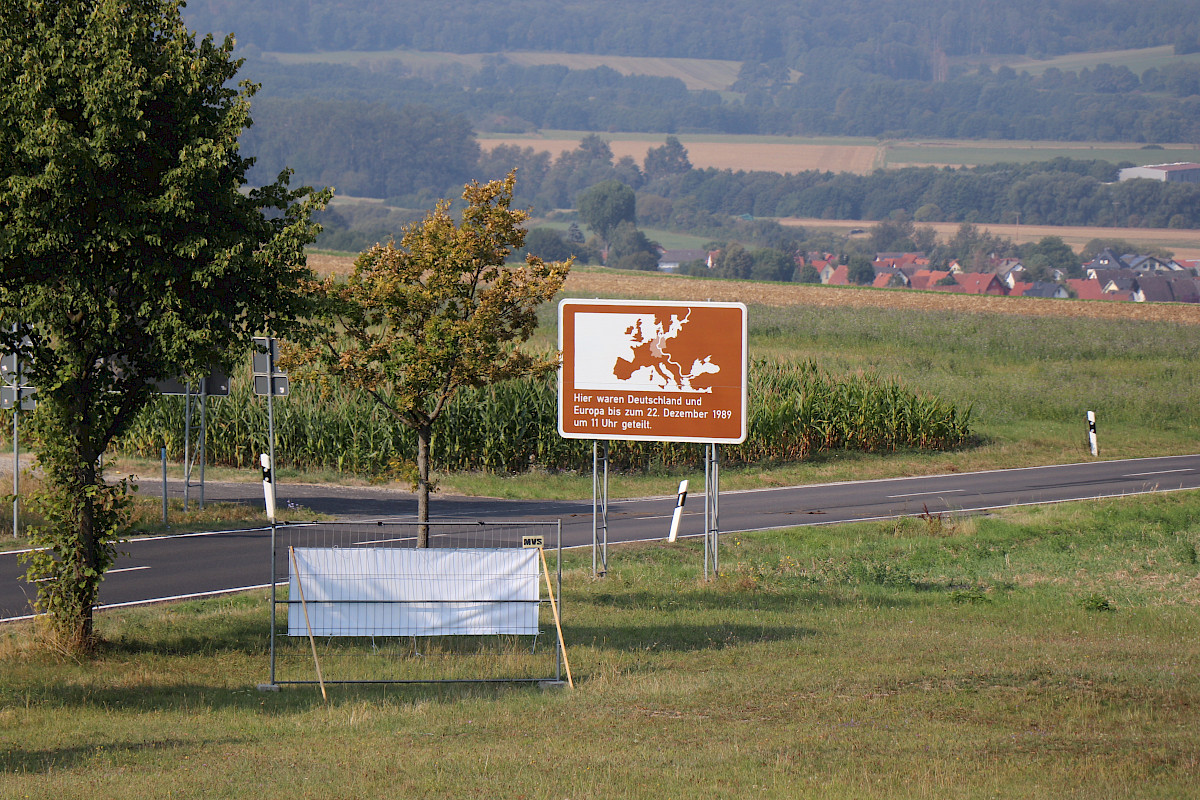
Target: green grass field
(1138,60)
(969,154)
(1046,652)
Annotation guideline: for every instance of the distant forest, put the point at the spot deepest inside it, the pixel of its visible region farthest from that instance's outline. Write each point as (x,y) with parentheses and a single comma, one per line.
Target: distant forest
(860,67)
(898,38)
(727,204)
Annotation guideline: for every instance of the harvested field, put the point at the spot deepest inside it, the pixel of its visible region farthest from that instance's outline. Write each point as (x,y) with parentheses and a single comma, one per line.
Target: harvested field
(855,155)
(608,283)
(784,156)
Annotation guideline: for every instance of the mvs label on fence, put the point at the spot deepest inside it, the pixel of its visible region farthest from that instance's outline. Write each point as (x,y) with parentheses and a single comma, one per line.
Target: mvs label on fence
(652,371)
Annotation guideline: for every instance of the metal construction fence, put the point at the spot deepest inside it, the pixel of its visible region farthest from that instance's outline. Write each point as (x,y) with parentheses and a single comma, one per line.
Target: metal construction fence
(359,602)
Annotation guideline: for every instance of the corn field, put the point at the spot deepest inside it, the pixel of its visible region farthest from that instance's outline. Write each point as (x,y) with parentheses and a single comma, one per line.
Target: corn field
(796,410)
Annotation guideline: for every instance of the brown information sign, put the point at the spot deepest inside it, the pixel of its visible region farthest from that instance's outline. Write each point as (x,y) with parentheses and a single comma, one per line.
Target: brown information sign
(656,371)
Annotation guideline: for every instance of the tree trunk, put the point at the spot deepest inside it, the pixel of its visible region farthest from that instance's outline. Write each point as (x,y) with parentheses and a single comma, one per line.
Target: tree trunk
(424,434)
(87,568)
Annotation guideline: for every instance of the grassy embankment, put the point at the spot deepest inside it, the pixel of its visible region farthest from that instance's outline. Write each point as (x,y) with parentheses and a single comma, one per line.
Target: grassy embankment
(1044,652)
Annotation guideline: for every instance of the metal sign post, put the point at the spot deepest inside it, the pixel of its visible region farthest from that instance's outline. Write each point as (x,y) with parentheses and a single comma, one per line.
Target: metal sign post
(269,380)
(17,396)
(712,510)
(599,507)
(187,443)
(216,383)
(16,470)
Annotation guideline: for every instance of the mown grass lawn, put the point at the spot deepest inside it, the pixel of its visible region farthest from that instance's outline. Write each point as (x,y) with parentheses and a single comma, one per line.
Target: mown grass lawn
(1050,652)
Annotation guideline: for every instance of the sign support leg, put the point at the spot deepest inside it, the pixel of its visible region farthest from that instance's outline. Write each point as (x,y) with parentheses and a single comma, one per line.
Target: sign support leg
(203,434)
(712,524)
(599,508)
(273,601)
(16,465)
(187,443)
(163,453)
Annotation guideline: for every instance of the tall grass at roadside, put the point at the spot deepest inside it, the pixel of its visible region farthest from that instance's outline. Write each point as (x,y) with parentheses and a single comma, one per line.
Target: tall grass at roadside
(796,409)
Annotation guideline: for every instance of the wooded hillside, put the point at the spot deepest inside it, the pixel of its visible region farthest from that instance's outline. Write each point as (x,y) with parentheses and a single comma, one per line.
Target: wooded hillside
(901,34)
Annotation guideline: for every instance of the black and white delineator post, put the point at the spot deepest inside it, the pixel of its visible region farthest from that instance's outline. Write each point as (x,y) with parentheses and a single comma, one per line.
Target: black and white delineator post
(1092,433)
(675,517)
(268,486)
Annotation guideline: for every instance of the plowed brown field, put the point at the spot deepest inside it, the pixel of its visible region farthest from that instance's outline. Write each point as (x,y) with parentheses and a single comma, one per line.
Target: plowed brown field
(604,283)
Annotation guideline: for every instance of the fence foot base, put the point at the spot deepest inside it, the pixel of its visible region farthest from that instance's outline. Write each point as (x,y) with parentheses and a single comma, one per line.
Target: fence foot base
(551,684)
(268,687)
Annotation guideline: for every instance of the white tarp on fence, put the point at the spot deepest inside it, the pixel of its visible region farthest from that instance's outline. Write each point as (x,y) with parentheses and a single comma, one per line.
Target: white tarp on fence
(423,592)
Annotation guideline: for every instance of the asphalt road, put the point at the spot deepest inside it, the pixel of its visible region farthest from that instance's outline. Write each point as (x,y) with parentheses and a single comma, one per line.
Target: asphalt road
(212,563)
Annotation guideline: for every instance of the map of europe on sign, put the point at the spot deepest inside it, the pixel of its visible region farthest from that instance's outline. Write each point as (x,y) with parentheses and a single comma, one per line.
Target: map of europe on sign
(643,351)
(652,371)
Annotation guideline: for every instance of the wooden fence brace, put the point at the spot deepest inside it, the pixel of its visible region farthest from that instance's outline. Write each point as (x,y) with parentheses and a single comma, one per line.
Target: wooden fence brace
(557,623)
(307,624)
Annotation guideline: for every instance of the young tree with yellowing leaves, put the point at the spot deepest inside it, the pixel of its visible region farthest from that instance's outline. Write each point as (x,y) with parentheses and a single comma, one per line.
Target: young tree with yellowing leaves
(415,323)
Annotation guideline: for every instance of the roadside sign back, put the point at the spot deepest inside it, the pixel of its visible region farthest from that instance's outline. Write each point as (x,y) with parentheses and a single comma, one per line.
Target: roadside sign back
(652,371)
(269,379)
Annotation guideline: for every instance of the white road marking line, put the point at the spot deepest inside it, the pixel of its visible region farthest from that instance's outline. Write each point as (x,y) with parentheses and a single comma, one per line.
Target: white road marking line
(1160,472)
(109,572)
(919,494)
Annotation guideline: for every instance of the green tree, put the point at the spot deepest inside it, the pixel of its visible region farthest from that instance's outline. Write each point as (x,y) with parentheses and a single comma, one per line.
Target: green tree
(734,261)
(414,324)
(891,235)
(809,274)
(670,159)
(127,247)
(1052,253)
(605,206)
(547,244)
(772,265)
(631,249)
(860,271)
